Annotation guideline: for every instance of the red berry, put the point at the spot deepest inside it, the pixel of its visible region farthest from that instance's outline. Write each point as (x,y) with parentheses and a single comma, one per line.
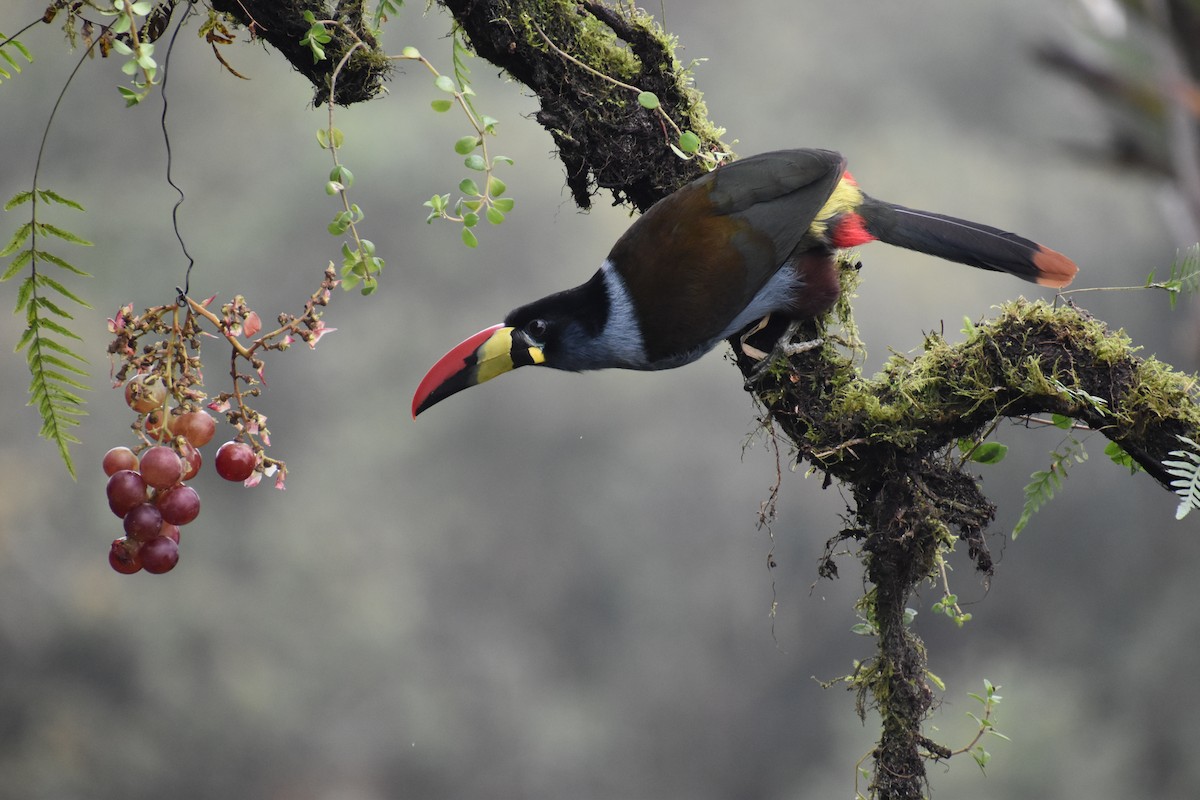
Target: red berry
(235,461)
(124,557)
(161,467)
(125,490)
(191,461)
(145,393)
(119,458)
(169,531)
(195,426)
(159,555)
(179,505)
(143,522)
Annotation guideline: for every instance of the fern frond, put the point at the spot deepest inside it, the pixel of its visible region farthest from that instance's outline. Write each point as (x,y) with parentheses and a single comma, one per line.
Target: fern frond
(55,197)
(1045,483)
(1187,474)
(56,371)
(18,199)
(6,55)
(1185,274)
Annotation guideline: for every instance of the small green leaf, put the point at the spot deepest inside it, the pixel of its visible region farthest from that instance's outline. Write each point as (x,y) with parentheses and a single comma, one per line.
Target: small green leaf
(24,293)
(1061,421)
(50,258)
(1118,456)
(470,219)
(468,238)
(475,162)
(689,142)
(17,265)
(441,105)
(18,238)
(18,199)
(496,186)
(445,83)
(45,280)
(648,100)
(469,188)
(340,174)
(989,453)
(410,52)
(495,215)
(54,230)
(466,144)
(504,204)
(55,197)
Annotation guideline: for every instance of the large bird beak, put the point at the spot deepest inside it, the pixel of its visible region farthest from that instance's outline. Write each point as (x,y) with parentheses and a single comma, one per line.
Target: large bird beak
(476,359)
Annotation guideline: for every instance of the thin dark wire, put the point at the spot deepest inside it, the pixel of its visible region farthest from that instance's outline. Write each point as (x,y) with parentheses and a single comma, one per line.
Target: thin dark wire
(187,276)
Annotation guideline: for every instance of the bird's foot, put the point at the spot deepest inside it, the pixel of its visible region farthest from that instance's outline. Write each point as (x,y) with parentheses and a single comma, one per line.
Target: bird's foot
(784,348)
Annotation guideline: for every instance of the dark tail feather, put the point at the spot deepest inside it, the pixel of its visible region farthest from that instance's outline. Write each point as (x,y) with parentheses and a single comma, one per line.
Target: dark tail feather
(966,242)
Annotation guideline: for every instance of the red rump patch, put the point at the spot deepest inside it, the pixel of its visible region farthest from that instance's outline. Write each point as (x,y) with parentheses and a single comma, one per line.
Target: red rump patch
(849,230)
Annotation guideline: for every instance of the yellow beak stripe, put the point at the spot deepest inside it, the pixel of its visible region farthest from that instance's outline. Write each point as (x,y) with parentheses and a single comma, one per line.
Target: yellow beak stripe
(496,356)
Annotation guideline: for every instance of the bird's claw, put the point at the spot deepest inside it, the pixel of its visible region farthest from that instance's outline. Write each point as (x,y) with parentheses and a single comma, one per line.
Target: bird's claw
(784,348)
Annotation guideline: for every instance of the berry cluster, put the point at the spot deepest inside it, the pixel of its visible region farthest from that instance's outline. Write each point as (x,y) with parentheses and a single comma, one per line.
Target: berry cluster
(150,493)
(156,359)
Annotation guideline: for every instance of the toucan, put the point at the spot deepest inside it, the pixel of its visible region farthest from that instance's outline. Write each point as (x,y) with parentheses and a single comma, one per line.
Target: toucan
(749,239)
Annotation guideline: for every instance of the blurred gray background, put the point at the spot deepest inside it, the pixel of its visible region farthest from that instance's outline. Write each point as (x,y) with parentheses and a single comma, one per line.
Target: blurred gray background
(552,586)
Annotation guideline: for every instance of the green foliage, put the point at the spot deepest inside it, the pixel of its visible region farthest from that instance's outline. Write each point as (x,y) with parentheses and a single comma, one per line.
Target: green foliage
(384,10)
(1187,474)
(987,727)
(56,370)
(316,37)
(1185,275)
(7,46)
(140,66)
(1118,456)
(1045,483)
(982,452)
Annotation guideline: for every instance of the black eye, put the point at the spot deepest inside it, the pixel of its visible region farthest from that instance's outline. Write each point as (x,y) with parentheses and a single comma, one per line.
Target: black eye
(536,328)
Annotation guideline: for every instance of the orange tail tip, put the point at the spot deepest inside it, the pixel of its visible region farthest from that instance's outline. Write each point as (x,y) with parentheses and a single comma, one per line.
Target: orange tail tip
(1054,269)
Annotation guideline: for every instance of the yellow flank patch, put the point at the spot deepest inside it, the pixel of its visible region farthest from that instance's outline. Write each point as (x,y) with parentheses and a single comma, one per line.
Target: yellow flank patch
(846,196)
(494,357)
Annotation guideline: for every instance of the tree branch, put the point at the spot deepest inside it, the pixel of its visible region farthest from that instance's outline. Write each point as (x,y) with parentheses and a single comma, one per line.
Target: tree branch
(281,23)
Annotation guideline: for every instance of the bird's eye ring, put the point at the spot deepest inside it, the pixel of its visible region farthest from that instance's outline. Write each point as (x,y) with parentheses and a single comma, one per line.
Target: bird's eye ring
(536,328)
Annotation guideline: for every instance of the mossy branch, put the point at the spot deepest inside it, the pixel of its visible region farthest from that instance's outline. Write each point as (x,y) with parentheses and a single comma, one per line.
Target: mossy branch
(281,24)
(606,140)
(1033,358)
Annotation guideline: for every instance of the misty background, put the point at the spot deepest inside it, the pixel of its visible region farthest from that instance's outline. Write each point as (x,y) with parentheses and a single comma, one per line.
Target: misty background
(553,585)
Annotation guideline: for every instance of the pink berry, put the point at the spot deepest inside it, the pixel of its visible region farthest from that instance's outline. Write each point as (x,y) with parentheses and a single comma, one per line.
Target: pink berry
(161,467)
(119,458)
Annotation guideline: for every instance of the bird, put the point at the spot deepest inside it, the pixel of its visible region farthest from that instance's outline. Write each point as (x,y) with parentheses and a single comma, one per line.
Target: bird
(751,238)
